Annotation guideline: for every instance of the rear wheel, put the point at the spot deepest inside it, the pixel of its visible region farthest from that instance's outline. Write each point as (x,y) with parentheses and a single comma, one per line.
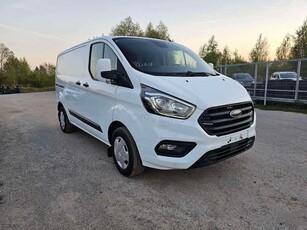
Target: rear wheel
(125,153)
(65,124)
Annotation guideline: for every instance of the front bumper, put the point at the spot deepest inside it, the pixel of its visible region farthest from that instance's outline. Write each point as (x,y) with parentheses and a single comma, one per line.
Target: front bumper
(149,134)
(224,152)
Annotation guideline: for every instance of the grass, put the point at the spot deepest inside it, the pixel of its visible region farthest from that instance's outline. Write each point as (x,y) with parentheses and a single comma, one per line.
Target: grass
(33,90)
(286,107)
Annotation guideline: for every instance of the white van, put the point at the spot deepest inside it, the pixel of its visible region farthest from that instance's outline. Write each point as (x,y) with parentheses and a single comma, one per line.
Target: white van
(155,103)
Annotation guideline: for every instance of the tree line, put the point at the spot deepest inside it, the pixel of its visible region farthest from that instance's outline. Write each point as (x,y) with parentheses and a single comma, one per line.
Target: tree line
(14,71)
(292,47)
(17,72)
(127,27)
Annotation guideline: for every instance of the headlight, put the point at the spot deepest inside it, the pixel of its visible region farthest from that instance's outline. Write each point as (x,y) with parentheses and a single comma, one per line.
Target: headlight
(163,104)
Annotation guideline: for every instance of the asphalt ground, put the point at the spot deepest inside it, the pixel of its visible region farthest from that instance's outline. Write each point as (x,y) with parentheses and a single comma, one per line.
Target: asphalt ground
(52,180)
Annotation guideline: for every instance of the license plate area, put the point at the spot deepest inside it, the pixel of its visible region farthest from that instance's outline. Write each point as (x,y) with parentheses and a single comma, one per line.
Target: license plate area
(236,137)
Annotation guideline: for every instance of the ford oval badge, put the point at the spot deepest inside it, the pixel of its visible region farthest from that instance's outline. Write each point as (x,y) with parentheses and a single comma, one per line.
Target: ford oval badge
(235,113)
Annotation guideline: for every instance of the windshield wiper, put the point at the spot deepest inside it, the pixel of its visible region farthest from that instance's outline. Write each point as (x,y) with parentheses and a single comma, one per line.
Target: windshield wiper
(190,73)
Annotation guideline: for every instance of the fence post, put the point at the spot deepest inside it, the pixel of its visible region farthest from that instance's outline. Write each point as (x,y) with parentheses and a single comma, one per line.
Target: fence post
(266,82)
(225,70)
(255,84)
(298,71)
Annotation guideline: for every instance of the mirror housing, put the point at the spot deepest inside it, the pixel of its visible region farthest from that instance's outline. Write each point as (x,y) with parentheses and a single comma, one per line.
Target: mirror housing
(211,64)
(103,72)
(112,75)
(103,65)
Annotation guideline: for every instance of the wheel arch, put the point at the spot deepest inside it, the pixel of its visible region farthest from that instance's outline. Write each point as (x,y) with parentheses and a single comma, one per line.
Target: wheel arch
(114,125)
(60,105)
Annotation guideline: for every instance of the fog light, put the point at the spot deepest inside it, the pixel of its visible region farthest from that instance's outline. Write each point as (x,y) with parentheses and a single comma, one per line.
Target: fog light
(167,147)
(174,148)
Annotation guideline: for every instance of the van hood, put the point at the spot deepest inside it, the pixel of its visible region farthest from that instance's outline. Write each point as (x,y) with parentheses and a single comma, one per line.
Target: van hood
(204,92)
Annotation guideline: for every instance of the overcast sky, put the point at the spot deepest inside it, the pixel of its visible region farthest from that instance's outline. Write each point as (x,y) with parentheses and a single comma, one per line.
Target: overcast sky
(39,29)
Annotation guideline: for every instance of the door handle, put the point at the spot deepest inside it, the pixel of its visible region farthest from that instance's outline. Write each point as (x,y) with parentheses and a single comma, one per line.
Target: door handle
(78,83)
(86,84)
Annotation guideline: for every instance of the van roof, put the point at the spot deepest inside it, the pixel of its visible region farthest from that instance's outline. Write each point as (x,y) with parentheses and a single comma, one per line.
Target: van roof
(108,38)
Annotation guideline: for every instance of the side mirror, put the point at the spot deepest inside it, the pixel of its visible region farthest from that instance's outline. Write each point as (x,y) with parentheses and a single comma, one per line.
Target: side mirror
(103,65)
(212,66)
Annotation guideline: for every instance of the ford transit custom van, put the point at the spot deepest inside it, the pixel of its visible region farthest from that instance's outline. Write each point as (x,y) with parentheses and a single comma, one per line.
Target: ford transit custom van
(154,103)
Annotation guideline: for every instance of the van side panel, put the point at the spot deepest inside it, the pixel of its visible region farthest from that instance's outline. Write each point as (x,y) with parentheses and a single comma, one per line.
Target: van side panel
(69,71)
(88,102)
(72,62)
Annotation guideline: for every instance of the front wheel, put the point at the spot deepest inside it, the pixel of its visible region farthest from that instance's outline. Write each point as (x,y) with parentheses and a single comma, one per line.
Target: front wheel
(125,153)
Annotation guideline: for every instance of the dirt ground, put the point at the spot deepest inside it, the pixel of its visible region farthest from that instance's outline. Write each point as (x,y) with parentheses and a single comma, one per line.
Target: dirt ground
(52,180)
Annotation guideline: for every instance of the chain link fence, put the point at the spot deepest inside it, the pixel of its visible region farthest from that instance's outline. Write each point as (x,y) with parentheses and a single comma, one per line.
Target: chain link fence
(284,81)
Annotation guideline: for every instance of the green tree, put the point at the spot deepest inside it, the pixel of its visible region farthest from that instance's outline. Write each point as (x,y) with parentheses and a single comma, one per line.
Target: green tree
(260,51)
(150,31)
(163,31)
(226,56)
(43,76)
(210,52)
(283,51)
(299,49)
(10,71)
(24,72)
(160,32)
(127,27)
(35,79)
(5,54)
(16,71)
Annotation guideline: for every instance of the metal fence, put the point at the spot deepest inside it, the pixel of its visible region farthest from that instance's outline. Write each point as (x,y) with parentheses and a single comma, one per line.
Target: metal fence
(267,88)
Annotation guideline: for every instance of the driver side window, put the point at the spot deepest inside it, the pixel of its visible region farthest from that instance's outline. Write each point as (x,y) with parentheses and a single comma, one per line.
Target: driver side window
(108,53)
(101,50)
(96,53)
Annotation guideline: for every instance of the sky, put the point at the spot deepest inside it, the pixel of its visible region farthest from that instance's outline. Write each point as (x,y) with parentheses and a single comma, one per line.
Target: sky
(40,29)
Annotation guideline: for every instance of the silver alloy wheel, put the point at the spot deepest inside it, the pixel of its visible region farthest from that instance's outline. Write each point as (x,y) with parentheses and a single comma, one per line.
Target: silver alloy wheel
(62,120)
(121,152)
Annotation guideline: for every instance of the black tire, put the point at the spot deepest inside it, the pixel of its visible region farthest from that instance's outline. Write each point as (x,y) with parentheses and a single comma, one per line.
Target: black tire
(66,126)
(132,166)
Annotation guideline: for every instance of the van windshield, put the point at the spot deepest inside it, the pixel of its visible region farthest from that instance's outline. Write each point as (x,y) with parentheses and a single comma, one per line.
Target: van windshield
(162,58)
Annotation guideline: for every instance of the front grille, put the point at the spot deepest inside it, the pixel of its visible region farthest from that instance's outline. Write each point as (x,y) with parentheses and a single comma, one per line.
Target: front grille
(217,120)
(224,152)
